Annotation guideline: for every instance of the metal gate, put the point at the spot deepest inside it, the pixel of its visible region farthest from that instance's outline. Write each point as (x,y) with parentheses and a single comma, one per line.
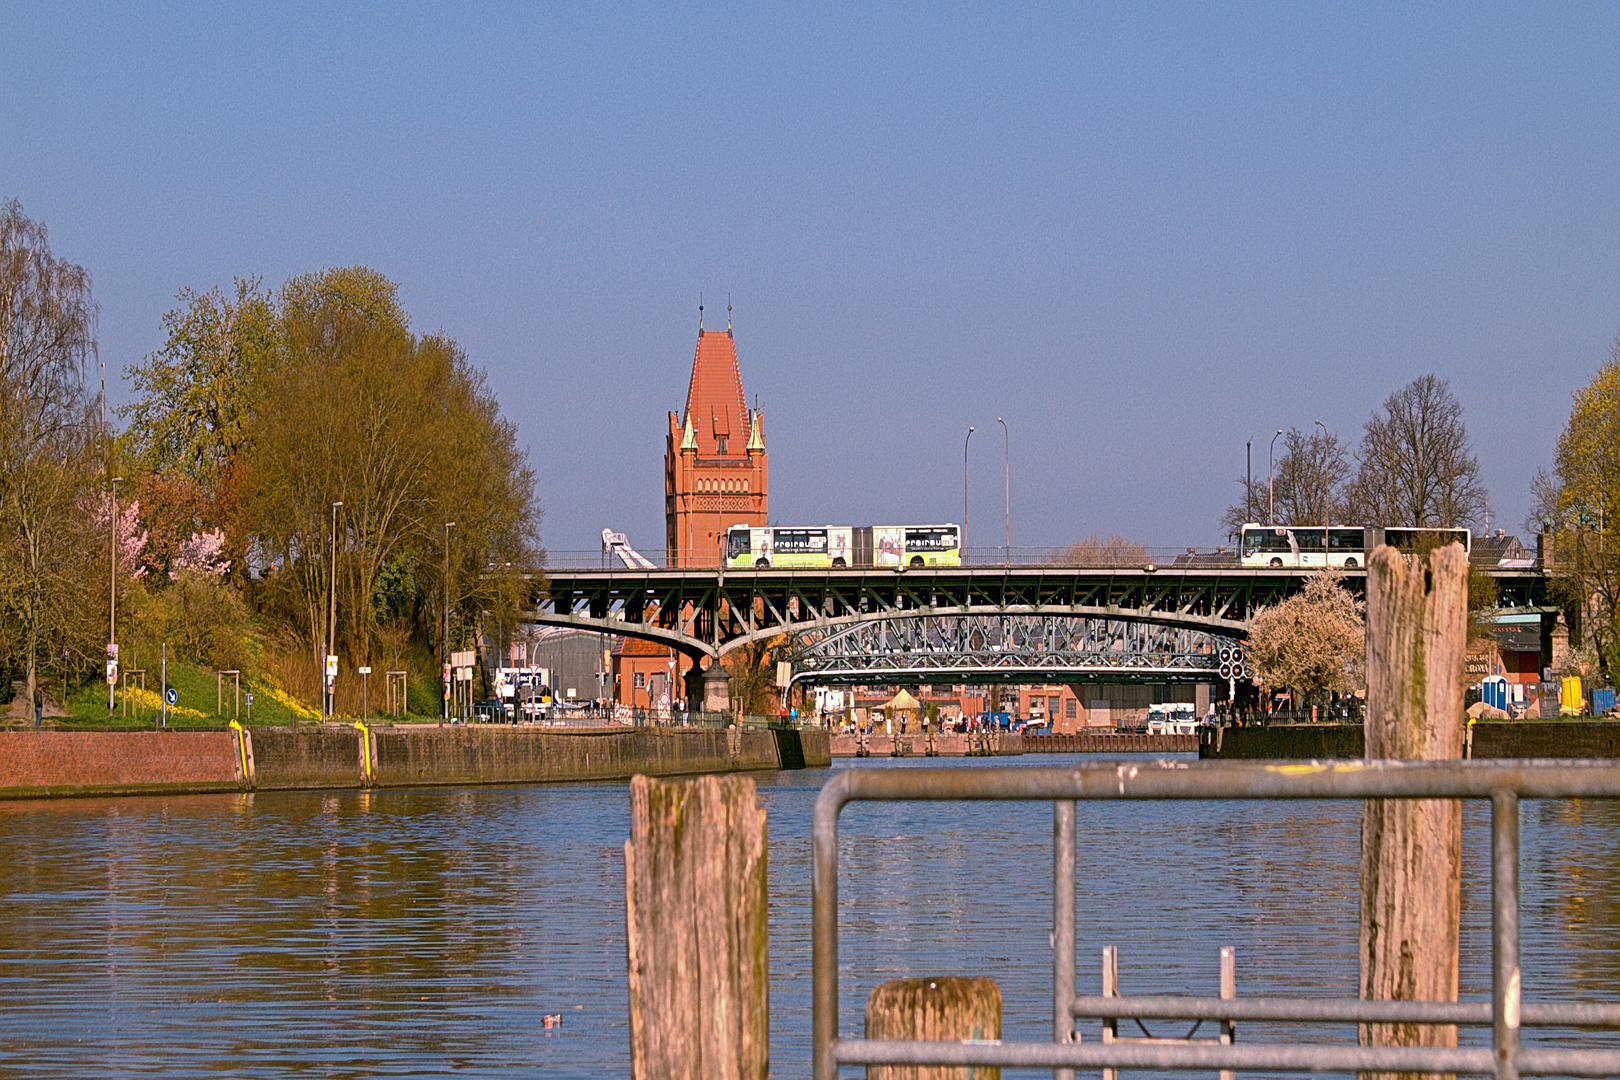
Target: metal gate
(1502,784)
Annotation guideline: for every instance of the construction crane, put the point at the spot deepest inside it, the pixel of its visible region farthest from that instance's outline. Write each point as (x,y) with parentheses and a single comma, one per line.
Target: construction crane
(616,544)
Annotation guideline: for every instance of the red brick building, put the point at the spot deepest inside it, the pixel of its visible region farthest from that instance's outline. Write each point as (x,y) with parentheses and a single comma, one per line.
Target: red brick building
(644,674)
(715,472)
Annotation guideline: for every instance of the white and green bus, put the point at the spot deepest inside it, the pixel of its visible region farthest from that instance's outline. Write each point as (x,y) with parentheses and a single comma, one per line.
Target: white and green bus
(836,546)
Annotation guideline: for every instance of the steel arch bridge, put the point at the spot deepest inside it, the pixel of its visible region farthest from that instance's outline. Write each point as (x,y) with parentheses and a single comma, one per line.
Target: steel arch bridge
(1078,620)
(1008,649)
(959,624)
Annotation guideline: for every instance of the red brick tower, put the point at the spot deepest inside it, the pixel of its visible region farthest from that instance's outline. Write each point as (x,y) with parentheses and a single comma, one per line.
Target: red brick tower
(714,461)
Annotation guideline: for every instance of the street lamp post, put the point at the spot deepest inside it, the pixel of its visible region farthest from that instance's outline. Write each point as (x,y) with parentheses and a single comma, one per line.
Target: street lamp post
(1006,479)
(1271,494)
(331,626)
(1327,492)
(447,527)
(965,442)
(1248,480)
(112,602)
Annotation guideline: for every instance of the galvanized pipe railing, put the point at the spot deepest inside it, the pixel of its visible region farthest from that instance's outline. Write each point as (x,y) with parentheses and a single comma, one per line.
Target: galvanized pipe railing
(1503,783)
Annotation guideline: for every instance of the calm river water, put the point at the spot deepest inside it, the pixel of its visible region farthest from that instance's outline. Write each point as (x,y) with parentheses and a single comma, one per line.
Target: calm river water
(428,932)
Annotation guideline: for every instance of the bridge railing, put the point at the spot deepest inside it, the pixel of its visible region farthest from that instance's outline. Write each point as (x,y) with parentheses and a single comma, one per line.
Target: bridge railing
(1502,784)
(1164,556)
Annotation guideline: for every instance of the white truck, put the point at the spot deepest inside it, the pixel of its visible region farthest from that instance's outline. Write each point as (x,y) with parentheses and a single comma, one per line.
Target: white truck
(524,692)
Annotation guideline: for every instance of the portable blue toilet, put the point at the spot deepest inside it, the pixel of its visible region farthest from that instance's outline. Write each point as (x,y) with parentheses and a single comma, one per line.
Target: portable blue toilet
(1494,692)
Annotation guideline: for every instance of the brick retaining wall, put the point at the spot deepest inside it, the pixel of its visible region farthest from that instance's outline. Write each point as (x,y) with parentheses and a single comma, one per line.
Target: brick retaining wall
(36,764)
(42,764)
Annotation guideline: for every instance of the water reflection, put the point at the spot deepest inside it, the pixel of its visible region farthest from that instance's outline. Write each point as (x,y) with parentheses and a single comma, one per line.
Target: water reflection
(416,933)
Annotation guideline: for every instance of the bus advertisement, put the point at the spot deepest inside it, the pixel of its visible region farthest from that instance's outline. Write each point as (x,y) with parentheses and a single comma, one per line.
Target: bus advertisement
(899,547)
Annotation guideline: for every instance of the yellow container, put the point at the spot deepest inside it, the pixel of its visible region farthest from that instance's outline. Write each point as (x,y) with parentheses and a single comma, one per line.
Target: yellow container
(1572,699)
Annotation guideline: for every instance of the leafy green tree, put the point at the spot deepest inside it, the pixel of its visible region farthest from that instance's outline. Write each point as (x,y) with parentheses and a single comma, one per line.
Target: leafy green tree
(1417,465)
(406,435)
(196,395)
(50,449)
(1580,500)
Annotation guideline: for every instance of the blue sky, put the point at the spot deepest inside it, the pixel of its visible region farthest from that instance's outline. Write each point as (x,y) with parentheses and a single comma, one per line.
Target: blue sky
(1141,234)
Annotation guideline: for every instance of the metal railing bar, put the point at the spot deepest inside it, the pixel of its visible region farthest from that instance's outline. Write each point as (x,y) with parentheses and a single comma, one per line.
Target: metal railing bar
(1506,1007)
(1349,1011)
(1252,1057)
(1534,1061)
(1176,780)
(1063,930)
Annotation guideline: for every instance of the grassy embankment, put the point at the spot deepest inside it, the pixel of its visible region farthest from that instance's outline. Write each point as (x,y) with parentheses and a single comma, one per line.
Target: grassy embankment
(205,703)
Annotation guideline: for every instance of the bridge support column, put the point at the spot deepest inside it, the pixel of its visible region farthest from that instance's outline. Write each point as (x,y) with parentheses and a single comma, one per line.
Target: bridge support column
(716,689)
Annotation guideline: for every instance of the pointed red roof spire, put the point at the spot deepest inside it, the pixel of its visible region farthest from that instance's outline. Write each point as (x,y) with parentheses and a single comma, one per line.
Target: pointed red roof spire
(715,405)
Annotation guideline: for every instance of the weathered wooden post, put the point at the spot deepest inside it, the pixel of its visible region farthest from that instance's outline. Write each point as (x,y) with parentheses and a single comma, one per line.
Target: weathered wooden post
(695,914)
(1411,849)
(948,1008)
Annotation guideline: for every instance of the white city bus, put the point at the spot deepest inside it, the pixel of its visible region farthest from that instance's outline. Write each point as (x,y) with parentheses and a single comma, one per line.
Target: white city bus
(1346,546)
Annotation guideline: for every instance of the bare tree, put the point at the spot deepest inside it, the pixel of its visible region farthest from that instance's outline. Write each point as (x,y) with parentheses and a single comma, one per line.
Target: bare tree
(48,439)
(1313,472)
(1417,467)
(1096,550)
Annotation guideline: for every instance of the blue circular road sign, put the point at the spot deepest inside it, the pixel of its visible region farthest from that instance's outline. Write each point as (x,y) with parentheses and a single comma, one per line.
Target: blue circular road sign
(172,696)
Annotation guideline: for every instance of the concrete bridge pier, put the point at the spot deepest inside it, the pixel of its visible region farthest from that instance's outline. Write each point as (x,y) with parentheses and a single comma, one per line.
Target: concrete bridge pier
(716,689)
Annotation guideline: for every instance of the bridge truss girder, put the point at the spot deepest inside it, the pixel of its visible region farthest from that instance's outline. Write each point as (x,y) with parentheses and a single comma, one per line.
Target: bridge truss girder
(978,649)
(708,613)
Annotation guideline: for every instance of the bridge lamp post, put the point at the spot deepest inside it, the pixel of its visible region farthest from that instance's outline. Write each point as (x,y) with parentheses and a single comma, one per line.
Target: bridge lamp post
(1327,492)
(1006,479)
(964,491)
(1271,494)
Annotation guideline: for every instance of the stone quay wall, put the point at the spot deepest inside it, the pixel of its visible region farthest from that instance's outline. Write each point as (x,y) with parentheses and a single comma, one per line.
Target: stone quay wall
(53,764)
(1491,739)
(1001,745)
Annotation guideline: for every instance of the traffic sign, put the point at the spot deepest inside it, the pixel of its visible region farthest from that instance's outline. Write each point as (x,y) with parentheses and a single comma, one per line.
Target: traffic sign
(172,696)
(112,672)
(366,670)
(249,698)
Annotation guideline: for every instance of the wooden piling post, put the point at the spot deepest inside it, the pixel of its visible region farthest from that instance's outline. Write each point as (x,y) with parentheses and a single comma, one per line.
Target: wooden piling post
(946,1008)
(1411,849)
(695,913)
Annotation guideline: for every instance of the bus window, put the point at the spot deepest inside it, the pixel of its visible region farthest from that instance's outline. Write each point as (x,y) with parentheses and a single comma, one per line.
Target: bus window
(737,542)
(1346,540)
(931,539)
